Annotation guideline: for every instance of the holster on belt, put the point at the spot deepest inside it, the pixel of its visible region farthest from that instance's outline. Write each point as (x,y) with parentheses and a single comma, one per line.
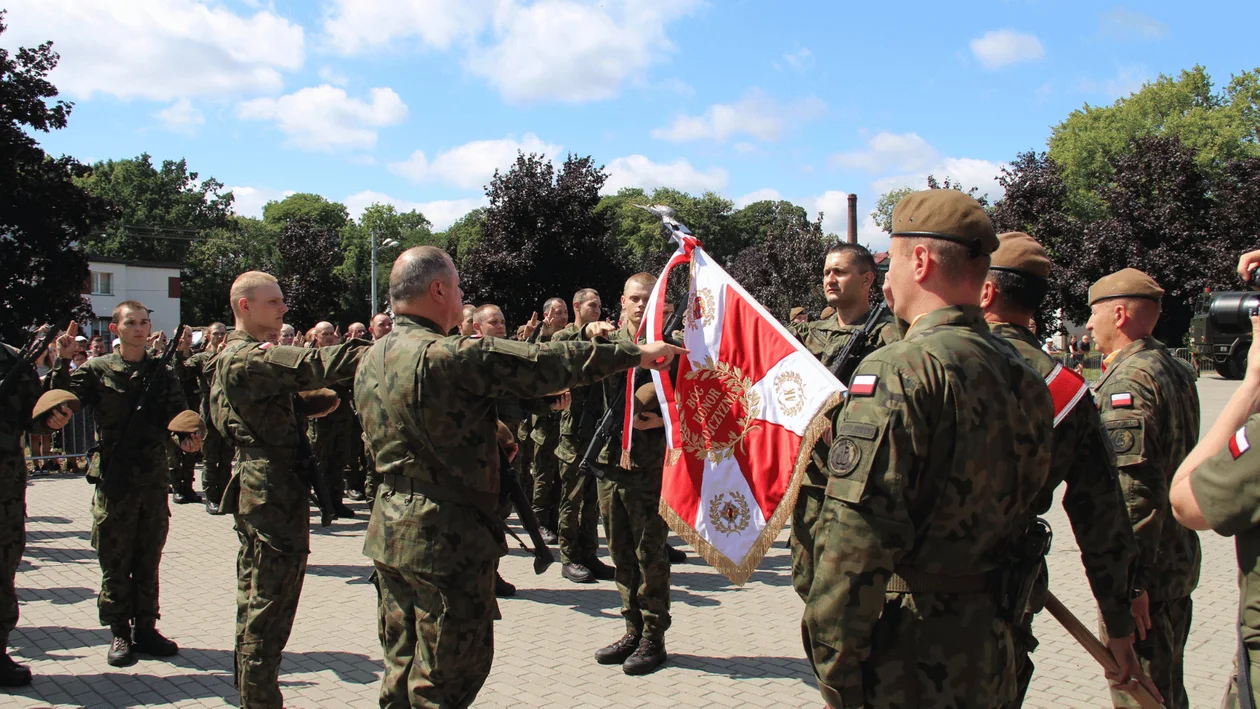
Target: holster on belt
(1020,577)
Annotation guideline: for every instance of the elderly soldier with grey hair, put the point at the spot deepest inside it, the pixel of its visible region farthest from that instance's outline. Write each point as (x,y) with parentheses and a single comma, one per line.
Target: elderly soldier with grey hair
(428,407)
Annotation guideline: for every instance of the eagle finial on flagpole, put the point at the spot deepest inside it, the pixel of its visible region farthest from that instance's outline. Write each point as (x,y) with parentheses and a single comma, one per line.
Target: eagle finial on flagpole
(677,230)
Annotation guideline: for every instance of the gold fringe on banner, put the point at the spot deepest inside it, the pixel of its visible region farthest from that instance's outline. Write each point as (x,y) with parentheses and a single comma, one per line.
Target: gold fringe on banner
(625,459)
(739,574)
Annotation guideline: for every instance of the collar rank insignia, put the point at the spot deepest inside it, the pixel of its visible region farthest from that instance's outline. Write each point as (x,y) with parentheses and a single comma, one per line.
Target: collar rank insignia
(864,385)
(1239,443)
(1122,401)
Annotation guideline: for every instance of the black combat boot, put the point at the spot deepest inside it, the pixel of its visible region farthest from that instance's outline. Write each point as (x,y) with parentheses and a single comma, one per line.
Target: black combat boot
(342,511)
(548,536)
(600,570)
(502,588)
(649,656)
(191,495)
(212,507)
(355,495)
(617,653)
(179,498)
(577,573)
(120,652)
(676,556)
(149,641)
(11,673)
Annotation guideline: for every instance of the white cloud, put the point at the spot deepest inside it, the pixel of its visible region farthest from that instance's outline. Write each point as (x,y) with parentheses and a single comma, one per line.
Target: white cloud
(566,50)
(158,49)
(834,206)
(333,76)
(745,148)
(800,60)
(765,193)
(889,151)
(470,165)
(249,201)
(325,118)
(1128,79)
(756,115)
(181,117)
(969,172)
(638,171)
(440,213)
(999,48)
(1127,24)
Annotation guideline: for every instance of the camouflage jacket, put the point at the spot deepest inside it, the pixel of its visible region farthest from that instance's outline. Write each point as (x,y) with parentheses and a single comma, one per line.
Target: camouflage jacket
(826,338)
(342,418)
(251,403)
(576,423)
(446,388)
(110,385)
(936,461)
(647,448)
(1082,458)
(15,410)
(200,365)
(1150,411)
(544,426)
(188,380)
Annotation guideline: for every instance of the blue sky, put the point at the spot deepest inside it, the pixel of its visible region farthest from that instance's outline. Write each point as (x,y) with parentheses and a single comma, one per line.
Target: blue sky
(417,101)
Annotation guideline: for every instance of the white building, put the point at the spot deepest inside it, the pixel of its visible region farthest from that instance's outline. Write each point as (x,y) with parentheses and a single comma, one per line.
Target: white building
(114,280)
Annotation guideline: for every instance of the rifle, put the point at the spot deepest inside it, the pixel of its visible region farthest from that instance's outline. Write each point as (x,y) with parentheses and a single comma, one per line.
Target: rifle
(511,484)
(308,471)
(533,336)
(603,431)
(858,341)
(28,357)
(112,464)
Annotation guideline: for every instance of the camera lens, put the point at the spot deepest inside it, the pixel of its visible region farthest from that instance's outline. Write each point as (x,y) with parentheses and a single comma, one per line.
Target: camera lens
(1231,312)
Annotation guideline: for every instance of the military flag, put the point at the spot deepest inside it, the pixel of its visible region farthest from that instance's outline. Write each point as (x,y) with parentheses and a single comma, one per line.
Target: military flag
(742,415)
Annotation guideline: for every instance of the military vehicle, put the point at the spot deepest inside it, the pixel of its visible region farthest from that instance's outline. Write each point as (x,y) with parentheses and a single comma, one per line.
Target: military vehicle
(1221,330)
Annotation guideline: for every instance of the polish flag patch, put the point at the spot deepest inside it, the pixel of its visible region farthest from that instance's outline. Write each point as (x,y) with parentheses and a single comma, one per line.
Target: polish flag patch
(1239,444)
(864,385)
(1122,401)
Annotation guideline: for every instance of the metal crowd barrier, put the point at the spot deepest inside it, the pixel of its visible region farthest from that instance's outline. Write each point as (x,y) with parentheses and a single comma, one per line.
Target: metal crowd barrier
(73,441)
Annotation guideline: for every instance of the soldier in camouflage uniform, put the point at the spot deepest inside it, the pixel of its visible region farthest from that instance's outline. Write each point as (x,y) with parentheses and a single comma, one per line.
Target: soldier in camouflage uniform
(382,325)
(848,274)
(252,388)
(15,420)
(130,514)
(544,434)
(579,496)
(428,407)
(1150,410)
(336,437)
(938,454)
(1013,293)
(216,450)
(182,464)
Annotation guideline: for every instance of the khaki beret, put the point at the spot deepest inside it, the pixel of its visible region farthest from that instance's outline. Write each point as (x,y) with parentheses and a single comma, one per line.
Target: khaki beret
(795,311)
(317,403)
(504,435)
(1129,283)
(827,312)
(945,214)
(1020,253)
(645,398)
(53,398)
(187,422)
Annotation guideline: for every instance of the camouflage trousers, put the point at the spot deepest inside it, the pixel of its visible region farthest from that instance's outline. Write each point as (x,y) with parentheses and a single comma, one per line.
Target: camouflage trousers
(636,538)
(129,532)
(336,449)
(181,466)
(217,452)
(1230,700)
(524,462)
(270,569)
(579,516)
(1162,653)
(804,525)
(546,492)
(12,537)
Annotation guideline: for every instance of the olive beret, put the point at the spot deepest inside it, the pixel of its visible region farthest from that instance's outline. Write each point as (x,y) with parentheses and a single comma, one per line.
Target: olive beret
(53,398)
(1020,253)
(945,214)
(504,435)
(317,403)
(1129,283)
(645,398)
(795,311)
(187,422)
(827,312)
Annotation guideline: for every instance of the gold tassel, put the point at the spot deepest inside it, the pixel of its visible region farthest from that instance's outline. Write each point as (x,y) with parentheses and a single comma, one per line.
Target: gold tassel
(672,456)
(625,459)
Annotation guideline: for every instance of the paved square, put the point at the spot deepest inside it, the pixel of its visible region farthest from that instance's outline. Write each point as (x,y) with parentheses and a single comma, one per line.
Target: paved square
(729,646)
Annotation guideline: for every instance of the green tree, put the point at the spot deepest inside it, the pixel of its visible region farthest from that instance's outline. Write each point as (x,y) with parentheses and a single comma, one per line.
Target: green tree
(408,229)
(882,214)
(161,211)
(316,209)
(43,212)
(463,234)
(213,262)
(308,254)
(784,270)
(1217,126)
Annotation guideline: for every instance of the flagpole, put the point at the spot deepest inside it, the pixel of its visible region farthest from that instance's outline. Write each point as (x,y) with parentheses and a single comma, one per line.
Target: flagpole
(1095,647)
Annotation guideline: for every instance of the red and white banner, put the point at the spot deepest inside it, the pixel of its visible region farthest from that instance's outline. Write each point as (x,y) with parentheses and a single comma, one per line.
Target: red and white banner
(741,418)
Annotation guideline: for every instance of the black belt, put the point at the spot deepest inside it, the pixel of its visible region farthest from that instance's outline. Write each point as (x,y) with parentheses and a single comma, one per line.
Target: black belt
(263,453)
(907,580)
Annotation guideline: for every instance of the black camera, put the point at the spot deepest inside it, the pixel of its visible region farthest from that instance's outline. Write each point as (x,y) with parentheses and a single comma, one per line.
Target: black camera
(1231,312)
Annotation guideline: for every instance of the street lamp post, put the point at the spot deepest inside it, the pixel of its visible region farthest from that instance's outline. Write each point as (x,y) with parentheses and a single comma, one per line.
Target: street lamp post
(388,243)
